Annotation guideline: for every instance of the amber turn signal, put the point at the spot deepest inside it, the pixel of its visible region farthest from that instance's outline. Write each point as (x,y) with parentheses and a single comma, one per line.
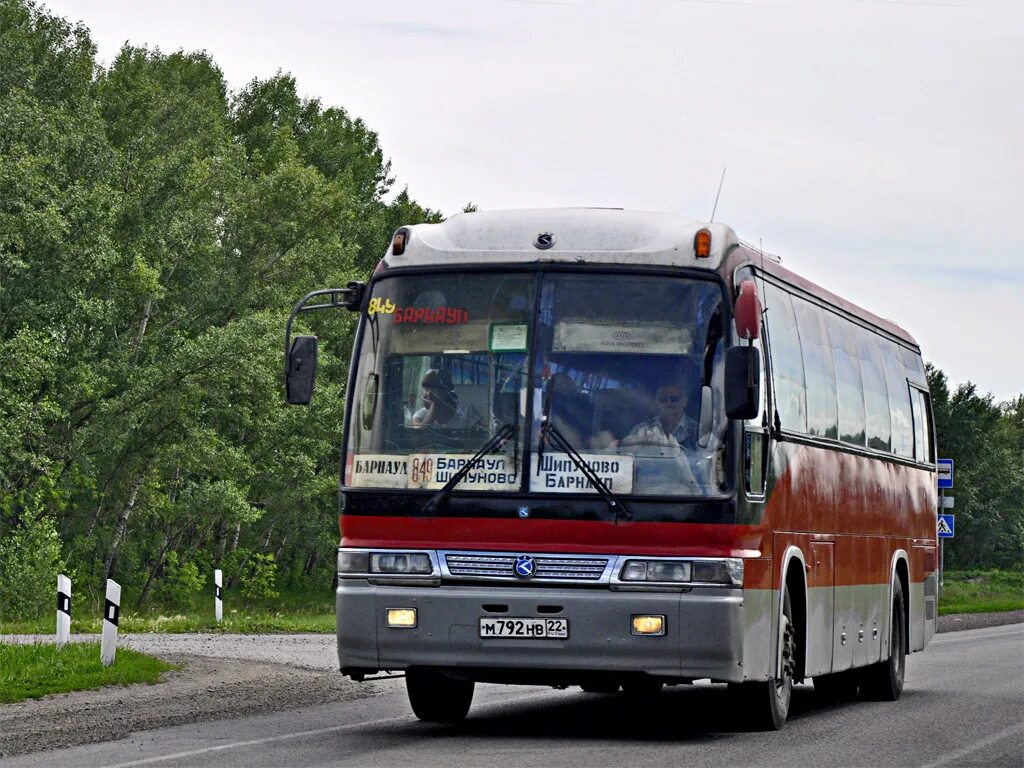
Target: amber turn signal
(404,618)
(702,244)
(648,625)
(398,242)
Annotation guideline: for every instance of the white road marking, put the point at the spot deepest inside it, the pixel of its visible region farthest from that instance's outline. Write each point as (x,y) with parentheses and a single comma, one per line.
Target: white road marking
(299,735)
(953,757)
(253,742)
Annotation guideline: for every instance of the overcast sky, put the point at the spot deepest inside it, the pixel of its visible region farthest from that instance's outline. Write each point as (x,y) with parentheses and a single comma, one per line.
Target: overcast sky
(877,146)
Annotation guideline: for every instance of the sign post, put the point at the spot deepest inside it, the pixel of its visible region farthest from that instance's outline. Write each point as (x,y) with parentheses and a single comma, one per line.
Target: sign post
(63,610)
(945,480)
(218,595)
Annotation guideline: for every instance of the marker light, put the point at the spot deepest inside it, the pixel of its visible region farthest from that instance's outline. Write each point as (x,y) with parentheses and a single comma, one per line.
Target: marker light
(398,242)
(403,618)
(702,244)
(648,625)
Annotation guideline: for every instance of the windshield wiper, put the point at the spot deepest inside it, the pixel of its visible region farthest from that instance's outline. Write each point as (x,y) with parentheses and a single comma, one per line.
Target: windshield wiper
(439,499)
(548,431)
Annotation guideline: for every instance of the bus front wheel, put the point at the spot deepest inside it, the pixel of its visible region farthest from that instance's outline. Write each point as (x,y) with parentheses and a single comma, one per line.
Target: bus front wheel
(884,681)
(437,698)
(764,706)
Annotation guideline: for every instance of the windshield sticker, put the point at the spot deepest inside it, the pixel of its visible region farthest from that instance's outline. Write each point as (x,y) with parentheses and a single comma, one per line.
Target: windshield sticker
(379,471)
(585,336)
(559,474)
(491,473)
(430,471)
(426,315)
(507,337)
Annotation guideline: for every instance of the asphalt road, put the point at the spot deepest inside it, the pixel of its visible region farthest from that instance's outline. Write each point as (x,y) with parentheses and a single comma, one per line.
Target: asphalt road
(963,706)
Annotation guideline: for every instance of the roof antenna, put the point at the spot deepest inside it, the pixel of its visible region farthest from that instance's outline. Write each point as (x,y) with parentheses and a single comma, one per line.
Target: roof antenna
(718,194)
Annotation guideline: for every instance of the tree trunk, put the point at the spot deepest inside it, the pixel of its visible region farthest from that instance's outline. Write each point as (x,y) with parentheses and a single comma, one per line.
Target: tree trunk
(147,310)
(168,541)
(310,563)
(122,525)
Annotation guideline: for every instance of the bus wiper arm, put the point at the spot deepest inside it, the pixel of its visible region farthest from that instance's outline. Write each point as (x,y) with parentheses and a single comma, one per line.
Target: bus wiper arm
(554,434)
(439,499)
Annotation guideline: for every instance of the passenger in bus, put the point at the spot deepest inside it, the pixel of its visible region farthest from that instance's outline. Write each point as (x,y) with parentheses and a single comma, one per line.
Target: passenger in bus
(670,426)
(440,404)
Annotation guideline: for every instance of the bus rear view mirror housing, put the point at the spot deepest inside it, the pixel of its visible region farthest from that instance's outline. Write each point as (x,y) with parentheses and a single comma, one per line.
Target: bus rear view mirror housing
(300,353)
(301,374)
(742,382)
(748,312)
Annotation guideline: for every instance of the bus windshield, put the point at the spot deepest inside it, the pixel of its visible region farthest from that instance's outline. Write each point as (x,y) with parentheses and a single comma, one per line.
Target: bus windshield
(622,366)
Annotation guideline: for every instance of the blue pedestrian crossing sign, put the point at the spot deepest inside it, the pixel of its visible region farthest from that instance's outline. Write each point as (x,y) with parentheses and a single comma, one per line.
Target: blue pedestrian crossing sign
(946,526)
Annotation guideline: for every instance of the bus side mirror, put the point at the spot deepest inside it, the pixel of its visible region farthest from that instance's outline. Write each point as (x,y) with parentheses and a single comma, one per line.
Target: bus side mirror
(301,374)
(742,382)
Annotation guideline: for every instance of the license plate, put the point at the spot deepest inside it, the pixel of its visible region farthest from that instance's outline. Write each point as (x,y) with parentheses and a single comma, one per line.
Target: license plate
(525,629)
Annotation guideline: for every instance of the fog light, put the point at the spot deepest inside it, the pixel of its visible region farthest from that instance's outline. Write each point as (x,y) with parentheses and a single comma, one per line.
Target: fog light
(648,625)
(402,617)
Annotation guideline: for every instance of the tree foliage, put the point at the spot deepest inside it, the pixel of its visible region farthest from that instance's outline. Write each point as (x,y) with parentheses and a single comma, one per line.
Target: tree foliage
(985,439)
(155,230)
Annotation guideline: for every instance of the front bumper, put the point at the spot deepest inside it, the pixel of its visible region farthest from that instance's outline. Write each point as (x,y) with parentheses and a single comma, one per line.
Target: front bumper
(703,637)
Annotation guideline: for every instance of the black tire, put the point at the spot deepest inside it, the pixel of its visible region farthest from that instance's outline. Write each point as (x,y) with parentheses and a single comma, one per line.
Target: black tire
(437,698)
(837,687)
(764,706)
(884,681)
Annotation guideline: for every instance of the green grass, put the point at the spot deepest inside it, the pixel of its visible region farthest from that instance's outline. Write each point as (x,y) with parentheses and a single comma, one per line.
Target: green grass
(294,610)
(982,592)
(35,670)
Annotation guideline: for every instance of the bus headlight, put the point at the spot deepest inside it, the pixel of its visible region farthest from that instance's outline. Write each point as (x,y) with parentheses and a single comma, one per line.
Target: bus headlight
(401,563)
(366,563)
(727,571)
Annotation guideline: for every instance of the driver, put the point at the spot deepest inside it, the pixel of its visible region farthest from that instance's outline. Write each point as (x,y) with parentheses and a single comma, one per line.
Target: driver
(440,404)
(670,426)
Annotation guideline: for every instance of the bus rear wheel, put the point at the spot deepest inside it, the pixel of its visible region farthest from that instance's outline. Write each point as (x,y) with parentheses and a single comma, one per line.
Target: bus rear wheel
(436,697)
(884,681)
(765,705)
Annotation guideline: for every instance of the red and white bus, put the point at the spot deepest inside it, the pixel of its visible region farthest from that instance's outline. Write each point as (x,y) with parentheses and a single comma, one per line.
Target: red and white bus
(625,450)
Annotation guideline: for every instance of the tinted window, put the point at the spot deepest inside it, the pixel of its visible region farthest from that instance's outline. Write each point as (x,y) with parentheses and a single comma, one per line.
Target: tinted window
(899,400)
(820,376)
(848,379)
(914,366)
(876,395)
(787,360)
(922,426)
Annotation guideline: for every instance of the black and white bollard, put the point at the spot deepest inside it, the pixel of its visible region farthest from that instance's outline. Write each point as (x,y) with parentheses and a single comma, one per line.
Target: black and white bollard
(111,614)
(218,595)
(63,610)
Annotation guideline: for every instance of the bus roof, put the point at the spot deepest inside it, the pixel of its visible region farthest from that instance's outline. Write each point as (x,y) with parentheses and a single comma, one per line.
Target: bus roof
(599,236)
(592,235)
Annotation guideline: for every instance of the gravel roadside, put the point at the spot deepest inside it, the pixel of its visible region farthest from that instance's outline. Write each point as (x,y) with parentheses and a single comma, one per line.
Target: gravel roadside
(224,676)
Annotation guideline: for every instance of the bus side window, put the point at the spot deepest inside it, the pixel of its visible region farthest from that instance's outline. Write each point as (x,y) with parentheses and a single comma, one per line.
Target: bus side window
(876,396)
(919,400)
(899,400)
(787,360)
(849,386)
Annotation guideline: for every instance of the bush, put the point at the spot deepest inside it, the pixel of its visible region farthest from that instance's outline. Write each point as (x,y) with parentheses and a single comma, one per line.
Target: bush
(30,560)
(255,575)
(180,583)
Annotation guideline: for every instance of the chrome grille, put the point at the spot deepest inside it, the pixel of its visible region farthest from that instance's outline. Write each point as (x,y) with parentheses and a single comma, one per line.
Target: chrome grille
(491,565)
